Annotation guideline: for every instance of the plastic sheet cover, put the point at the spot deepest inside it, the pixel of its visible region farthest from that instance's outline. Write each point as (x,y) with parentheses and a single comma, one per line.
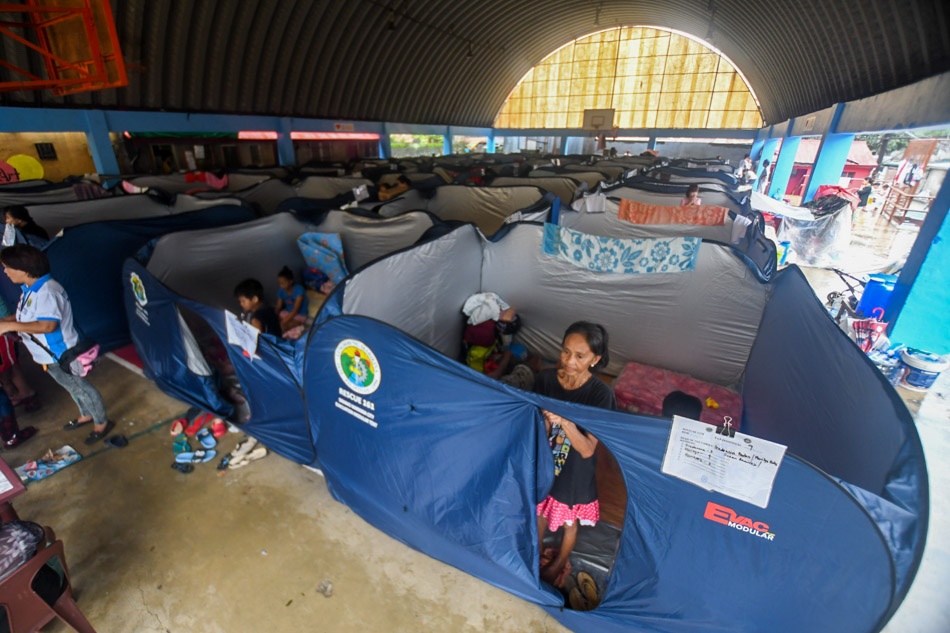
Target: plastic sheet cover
(819,241)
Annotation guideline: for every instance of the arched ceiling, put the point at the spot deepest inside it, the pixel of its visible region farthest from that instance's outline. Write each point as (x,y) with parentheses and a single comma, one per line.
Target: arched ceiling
(454,62)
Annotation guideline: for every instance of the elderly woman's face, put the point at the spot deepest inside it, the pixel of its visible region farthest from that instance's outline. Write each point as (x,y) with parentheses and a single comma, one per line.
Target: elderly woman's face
(576,355)
(11,220)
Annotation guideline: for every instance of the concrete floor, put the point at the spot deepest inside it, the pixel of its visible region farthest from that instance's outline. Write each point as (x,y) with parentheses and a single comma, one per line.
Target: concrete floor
(155,551)
(152,550)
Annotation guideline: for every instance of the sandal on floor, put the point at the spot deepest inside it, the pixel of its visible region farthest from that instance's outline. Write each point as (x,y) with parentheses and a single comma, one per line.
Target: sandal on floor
(258,453)
(588,588)
(117,441)
(75,424)
(95,436)
(198,457)
(178,427)
(183,468)
(19,437)
(181,446)
(200,420)
(243,448)
(204,436)
(218,428)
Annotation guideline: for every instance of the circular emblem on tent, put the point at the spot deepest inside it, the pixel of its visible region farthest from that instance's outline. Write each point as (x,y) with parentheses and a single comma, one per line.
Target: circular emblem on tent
(357,366)
(138,289)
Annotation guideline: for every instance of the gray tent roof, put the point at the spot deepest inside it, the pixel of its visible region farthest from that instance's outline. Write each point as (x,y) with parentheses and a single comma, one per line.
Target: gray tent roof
(55,217)
(488,207)
(205,265)
(563,187)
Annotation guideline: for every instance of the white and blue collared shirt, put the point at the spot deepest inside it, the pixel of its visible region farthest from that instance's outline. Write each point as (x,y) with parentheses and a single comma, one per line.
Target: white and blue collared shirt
(46,300)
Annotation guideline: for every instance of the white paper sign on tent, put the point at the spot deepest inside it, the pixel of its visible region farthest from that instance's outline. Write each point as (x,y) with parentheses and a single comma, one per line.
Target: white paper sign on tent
(242,334)
(743,467)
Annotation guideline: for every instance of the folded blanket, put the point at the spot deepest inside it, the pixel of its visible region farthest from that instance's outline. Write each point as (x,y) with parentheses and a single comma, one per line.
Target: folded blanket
(643,213)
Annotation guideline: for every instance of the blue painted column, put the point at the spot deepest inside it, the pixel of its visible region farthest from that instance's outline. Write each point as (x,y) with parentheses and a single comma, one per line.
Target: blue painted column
(832,157)
(100,145)
(385,144)
(490,144)
(651,144)
(285,144)
(919,310)
(783,166)
(447,141)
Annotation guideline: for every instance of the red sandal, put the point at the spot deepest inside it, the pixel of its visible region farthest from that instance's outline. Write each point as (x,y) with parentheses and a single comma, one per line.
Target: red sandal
(200,420)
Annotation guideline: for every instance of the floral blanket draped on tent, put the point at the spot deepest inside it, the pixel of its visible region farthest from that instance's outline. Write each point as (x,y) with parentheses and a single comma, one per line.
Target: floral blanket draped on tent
(615,255)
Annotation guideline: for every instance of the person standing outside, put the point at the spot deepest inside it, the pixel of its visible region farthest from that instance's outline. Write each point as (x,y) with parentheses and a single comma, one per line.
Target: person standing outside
(44,319)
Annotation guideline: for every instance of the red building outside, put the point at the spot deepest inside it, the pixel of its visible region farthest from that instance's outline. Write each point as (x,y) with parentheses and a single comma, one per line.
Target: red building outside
(859,165)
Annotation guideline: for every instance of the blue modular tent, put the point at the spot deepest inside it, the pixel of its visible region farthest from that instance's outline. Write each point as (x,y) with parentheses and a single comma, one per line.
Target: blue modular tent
(87,260)
(186,283)
(848,513)
(453,463)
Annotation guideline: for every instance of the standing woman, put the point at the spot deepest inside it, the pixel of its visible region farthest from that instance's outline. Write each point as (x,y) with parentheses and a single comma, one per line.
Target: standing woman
(44,319)
(573,497)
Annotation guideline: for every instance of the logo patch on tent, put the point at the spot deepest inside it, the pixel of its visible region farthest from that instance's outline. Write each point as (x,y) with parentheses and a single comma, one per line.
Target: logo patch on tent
(138,289)
(729,517)
(357,366)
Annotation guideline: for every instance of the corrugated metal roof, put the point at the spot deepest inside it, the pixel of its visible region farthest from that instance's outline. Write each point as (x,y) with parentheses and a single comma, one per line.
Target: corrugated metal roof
(341,59)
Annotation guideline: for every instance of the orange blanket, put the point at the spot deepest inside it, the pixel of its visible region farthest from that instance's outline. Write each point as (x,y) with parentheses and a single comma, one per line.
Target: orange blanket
(642,213)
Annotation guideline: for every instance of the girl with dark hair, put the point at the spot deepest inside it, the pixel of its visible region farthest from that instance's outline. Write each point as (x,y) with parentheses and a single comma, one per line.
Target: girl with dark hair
(692,196)
(291,305)
(573,497)
(26,231)
(44,319)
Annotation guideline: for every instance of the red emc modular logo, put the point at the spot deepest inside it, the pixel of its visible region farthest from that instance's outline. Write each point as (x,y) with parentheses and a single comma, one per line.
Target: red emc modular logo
(728,516)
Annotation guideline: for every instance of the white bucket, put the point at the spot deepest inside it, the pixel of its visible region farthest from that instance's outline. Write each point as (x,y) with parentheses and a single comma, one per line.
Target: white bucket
(921,369)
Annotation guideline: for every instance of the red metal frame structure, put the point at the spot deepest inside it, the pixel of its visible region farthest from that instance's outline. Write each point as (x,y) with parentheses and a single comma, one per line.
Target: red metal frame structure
(77,40)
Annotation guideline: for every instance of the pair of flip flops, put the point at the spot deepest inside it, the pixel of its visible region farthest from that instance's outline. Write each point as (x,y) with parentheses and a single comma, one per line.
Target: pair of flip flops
(183,468)
(582,592)
(181,444)
(246,452)
(190,426)
(199,456)
(207,441)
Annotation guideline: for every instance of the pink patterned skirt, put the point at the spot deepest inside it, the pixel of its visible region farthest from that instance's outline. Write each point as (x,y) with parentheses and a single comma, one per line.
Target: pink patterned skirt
(559,514)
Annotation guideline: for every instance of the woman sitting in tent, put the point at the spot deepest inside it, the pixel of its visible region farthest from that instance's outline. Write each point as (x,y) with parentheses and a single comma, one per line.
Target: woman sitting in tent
(573,497)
